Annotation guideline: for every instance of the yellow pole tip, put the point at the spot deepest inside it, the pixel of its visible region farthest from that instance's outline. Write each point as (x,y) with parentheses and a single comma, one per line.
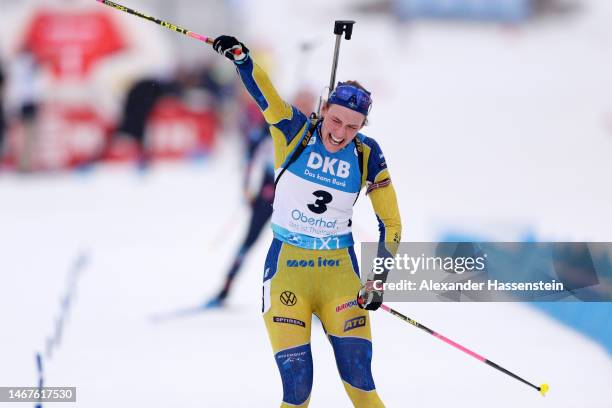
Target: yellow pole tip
(543,389)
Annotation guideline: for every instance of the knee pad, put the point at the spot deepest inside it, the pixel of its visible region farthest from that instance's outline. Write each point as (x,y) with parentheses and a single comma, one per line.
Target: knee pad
(295,366)
(354,358)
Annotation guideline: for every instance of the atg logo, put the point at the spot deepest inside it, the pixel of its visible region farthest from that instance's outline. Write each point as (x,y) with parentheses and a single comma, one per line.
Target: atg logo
(354,323)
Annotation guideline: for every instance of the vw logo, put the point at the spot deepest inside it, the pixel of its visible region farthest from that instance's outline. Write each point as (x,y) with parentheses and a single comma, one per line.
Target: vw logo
(288,298)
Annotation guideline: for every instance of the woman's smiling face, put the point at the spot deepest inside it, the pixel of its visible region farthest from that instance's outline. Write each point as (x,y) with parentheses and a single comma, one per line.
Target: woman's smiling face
(340,126)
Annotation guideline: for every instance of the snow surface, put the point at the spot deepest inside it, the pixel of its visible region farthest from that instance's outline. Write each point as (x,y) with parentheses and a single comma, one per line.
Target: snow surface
(152,250)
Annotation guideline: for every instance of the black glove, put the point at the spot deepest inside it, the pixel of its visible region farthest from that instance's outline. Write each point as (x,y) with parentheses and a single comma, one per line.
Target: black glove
(369,297)
(227,46)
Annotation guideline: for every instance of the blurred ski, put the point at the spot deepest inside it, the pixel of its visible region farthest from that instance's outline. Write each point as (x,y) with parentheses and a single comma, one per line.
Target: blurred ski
(184,312)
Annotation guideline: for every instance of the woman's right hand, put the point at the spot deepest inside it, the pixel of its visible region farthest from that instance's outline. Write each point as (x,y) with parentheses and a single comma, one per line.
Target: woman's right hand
(230,47)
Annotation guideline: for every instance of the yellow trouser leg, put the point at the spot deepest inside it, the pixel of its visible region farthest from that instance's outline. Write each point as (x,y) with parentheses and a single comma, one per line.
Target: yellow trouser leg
(348,328)
(363,399)
(288,315)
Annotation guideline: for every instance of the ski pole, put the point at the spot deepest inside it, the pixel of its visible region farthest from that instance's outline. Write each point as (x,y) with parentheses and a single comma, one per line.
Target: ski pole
(340,27)
(543,388)
(163,23)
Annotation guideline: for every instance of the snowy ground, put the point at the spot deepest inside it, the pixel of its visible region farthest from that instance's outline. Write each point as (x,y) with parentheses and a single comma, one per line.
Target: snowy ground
(152,249)
(485,130)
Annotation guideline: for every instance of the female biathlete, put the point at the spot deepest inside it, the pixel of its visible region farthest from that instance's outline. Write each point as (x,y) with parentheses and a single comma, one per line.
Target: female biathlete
(321,165)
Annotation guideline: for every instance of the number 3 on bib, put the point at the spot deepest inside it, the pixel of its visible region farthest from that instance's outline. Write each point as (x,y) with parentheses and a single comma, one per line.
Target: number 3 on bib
(320,205)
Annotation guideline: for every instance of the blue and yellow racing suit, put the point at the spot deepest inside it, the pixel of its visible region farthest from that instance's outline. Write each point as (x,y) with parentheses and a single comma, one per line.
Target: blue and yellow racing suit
(311,266)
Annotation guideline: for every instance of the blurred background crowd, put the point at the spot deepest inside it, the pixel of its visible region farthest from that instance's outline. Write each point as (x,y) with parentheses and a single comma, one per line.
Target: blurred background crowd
(82,83)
